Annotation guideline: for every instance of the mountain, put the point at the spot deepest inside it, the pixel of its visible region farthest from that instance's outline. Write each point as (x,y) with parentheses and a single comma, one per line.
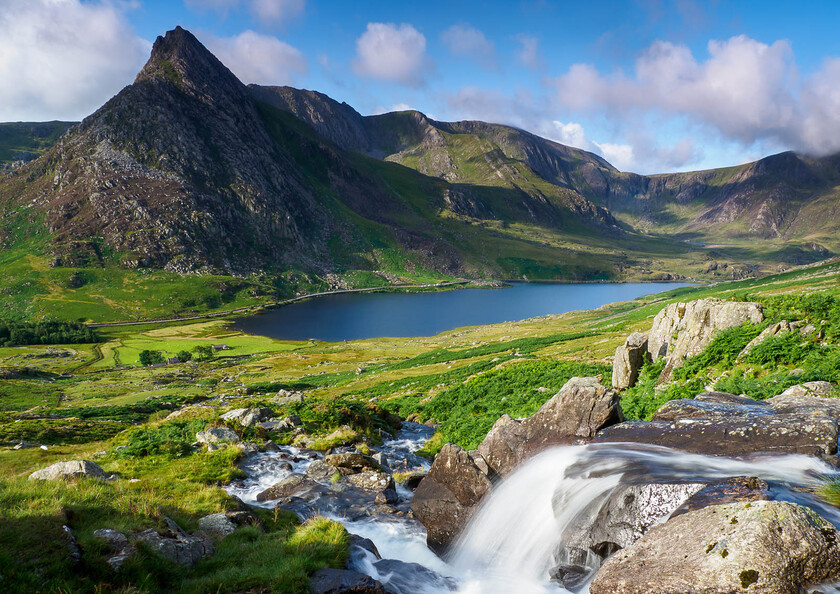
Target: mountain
(188,170)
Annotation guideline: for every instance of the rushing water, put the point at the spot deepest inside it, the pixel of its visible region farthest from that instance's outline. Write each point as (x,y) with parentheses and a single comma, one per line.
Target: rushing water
(353,316)
(514,540)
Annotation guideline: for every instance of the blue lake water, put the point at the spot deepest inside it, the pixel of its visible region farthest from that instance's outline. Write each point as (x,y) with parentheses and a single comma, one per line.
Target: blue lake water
(354,316)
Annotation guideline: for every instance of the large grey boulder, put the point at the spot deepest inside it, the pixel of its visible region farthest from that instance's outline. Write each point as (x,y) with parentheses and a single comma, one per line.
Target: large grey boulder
(248,417)
(628,360)
(760,547)
(683,330)
(623,518)
(68,470)
(355,461)
(445,498)
(581,408)
(217,435)
(217,525)
(176,545)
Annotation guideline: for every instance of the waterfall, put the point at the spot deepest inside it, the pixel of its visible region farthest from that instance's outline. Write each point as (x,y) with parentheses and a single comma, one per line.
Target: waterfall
(515,539)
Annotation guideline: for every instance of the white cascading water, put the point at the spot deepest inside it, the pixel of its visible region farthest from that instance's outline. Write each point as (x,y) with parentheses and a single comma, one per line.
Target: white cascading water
(511,542)
(514,539)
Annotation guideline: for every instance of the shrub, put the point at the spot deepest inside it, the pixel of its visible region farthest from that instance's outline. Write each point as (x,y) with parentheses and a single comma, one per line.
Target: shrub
(172,440)
(786,348)
(724,348)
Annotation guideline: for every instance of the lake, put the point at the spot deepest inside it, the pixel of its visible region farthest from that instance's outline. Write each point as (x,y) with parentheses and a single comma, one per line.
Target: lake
(354,316)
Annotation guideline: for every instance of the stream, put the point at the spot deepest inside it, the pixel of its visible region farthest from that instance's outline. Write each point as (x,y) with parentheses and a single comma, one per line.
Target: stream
(515,540)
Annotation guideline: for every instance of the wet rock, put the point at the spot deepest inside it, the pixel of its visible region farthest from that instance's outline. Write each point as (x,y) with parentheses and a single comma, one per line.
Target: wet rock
(623,518)
(217,435)
(575,414)
(732,490)
(412,480)
(380,459)
(354,461)
(444,500)
(388,496)
(683,330)
(321,471)
(364,544)
(343,581)
(68,470)
(120,549)
(177,545)
(628,359)
(763,547)
(733,436)
(399,577)
(371,480)
(288,487)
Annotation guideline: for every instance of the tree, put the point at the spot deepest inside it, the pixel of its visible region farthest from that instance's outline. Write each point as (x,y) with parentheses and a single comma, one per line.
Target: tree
(148,357)
(184,356)
(203,353)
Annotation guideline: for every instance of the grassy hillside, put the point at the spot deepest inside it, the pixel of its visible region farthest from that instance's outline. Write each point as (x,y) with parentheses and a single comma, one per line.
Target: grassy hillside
(22,141)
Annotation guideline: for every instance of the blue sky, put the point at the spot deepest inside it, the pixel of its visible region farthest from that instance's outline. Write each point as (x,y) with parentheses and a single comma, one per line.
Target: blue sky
(651,85)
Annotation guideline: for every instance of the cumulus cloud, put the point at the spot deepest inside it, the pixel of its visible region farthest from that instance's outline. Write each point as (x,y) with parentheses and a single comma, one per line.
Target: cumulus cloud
(467,41)
(261,59)
(747,90)
(528,53)
(62,59)
(267,12)
(393,53)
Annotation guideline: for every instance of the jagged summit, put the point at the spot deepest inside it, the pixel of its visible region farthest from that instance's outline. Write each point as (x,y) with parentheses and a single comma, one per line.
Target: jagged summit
(180,58)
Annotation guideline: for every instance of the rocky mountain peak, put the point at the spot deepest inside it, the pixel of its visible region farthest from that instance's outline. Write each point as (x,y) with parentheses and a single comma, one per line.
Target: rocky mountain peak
(180,59)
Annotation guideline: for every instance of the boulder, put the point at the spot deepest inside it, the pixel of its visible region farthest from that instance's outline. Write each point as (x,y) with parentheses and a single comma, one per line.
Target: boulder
(176,545)
(623,518)
(683,330)
(388,495)
(120,549)
(217,435)
(343,581)
(285,397)
(399,577)
(248,417)
(321,471)
(217,525)
(733,436)
(354,461)
(444,499)
(731,490)
(687,408)
(288,487)
(371,480)
(575,414)
(761,547)
(68,470)
(724,398)
(628,360)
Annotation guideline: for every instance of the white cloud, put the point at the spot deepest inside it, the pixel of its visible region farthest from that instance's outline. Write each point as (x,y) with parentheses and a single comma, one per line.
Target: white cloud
(256,58)
(746,90)
(620,156)
(267,12)
(62,59)
(571,134)
(388,52)
(467,41)
(528,53)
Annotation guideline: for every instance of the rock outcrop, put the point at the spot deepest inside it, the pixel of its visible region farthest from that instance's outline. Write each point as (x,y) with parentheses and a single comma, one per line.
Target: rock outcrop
(68,470)
(770,547)
(444,500)
(628,360)
(581,408)
(217,435)
(683,330)
(248,417)
(343,581)
(177,545)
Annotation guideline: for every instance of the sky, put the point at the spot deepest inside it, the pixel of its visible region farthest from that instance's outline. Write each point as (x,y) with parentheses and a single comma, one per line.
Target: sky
(653,86)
